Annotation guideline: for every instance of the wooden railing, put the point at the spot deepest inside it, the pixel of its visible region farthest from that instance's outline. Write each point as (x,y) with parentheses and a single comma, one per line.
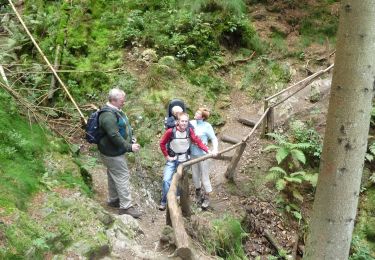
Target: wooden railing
(270,122)
(175,213)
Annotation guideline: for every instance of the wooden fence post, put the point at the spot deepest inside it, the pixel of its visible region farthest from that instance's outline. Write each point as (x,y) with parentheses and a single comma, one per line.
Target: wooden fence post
(271,120)
(184,196)
(54,85)
(264,123)
(229,174)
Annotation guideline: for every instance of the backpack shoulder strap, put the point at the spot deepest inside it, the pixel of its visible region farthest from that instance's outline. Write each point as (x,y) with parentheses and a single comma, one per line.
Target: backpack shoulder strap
(110,110)
(174,129)
(188,132)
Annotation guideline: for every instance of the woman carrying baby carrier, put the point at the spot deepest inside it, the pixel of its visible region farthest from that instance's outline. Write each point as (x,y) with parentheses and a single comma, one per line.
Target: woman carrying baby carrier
(175,146)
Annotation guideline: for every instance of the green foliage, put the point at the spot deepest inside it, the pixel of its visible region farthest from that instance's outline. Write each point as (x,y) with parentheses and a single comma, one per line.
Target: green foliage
(62,222)
(210,86)
(189,36)
(24,238)
(22,147)
(301,133)
(291,153)
(372,122)
(278,43)
(264,77)
(236,7)
(318,25)
(371,152)
(226,240)
(360,250)
(287,180)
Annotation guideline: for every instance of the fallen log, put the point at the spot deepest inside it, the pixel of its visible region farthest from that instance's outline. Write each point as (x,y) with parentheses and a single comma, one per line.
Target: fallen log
(229,139)
(247,122)
(183,249)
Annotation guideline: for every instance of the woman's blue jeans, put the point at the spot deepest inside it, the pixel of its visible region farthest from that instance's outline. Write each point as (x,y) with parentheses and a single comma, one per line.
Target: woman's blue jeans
(169,170)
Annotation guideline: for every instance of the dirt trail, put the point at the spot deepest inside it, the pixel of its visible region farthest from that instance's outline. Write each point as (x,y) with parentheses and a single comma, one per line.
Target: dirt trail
(253,162)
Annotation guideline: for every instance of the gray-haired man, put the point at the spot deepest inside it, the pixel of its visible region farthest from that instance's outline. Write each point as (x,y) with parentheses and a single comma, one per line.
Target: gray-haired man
(117,141)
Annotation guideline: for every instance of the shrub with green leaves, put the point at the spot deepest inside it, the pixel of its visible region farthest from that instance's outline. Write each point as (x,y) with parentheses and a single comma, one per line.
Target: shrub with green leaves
(288,177)
(319,25)
(360,250)
(301,133)
(192,32)
(226,239)
(265,77)
(287,152)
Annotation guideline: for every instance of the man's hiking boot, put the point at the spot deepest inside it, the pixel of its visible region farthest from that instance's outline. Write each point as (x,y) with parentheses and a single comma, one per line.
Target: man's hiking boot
(162,207)
(130,211)
(198,196)
(114,203)
(206,201)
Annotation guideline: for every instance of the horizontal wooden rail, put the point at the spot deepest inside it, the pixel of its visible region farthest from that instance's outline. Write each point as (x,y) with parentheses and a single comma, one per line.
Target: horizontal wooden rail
(269,125)
(311,77)
(304,84)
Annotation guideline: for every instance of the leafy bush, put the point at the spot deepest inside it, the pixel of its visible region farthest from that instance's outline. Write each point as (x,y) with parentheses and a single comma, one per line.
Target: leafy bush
(211,86)
(189,36)
(287,177)
(234,7)
(290,153)
(360,250)
(226,240)
(319,25)
(301,133)
(264,77)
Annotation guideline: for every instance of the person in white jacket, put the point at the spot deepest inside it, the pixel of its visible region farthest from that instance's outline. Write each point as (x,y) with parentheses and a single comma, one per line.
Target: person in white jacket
(201,176)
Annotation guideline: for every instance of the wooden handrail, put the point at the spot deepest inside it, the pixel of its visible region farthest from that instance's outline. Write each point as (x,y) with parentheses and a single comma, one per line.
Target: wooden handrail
(313,76)
(269,125)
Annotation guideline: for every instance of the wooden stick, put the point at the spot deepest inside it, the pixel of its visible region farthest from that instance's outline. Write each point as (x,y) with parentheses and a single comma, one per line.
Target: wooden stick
(246,121)
(230,173)
(184,197)
(271,120)
(2,72)
(222,157)
(313,76)
(229,139)
(264,124)
(47,61)
(53,86)
(182,239)
(238,61)
(273,241)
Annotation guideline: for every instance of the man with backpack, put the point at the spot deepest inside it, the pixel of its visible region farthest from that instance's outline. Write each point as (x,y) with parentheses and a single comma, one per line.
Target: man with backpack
(115,140)
(175,146)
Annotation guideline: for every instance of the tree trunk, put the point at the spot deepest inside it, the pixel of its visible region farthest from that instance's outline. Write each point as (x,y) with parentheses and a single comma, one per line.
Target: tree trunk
(345,140)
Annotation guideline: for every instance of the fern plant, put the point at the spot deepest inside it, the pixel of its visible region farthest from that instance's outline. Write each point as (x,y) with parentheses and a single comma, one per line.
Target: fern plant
(371,152)
(287,179)
(290,182)
(291,153)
